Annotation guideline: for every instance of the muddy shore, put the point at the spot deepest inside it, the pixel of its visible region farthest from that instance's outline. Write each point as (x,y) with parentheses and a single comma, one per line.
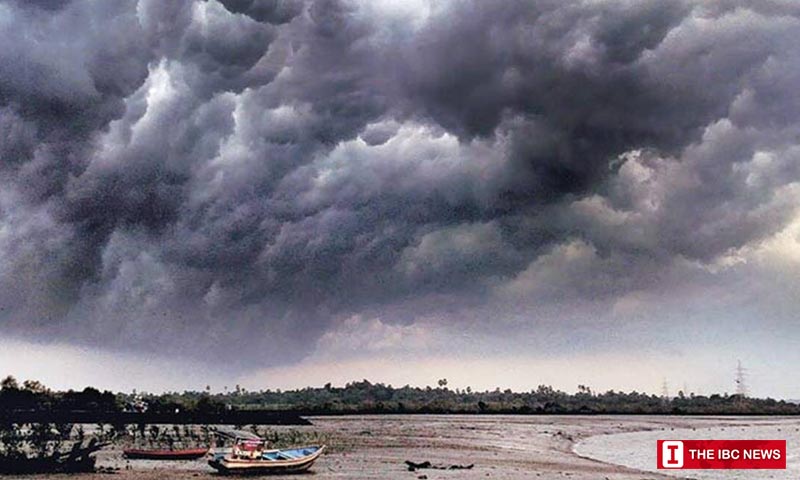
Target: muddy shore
(499,447)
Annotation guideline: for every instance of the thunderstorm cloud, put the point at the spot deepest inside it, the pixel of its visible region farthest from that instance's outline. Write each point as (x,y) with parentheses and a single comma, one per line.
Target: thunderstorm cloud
(265,177)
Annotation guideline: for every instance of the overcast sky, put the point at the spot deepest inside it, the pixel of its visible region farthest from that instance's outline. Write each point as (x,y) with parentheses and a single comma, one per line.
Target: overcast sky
(280,193)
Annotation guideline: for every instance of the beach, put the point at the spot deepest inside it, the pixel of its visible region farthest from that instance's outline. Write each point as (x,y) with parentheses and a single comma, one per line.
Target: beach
(497,446)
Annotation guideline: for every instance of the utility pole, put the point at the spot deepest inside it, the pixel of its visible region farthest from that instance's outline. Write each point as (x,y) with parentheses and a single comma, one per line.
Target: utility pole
(741,386)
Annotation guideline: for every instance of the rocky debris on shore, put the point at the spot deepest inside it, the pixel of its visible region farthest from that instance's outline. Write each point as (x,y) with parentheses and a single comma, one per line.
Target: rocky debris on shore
(107,470)
(414,466)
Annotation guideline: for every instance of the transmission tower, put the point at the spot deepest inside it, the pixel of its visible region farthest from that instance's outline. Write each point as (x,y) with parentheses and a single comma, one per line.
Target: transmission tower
(741,386)
(664,390)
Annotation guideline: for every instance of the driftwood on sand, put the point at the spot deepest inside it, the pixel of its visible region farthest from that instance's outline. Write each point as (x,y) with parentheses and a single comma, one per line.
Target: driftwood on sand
(413,466)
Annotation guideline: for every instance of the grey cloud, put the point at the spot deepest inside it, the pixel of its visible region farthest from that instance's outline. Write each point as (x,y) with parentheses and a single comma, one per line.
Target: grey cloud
(42,4)
(19,138)
(235,172)
(271,11)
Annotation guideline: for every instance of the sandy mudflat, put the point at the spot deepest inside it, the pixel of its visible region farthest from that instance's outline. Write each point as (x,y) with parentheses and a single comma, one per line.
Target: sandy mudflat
(635,449)
(500,447)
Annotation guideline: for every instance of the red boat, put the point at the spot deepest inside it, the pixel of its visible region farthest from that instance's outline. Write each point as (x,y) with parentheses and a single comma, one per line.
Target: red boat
(185,454)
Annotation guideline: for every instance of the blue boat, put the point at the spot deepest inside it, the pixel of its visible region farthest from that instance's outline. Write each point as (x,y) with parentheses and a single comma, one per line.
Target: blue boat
(251,456)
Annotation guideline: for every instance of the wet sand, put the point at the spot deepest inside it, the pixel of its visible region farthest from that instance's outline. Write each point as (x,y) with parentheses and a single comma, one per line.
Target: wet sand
(500,447)
(635,449)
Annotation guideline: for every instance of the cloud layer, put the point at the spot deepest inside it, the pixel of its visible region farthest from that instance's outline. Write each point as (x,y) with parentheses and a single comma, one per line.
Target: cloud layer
(210,177)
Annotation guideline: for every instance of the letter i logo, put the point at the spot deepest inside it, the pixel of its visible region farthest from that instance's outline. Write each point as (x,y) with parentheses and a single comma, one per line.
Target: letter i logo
(672,454)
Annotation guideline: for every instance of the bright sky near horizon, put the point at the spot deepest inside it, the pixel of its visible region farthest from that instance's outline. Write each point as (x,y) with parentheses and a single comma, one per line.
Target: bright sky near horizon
(286,193)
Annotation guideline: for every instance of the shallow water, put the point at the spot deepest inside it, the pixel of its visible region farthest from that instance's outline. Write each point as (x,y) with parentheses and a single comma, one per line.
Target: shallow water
(638,449)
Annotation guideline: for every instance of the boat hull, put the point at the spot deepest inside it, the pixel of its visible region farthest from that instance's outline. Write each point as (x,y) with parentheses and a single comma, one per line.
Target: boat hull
(228,465)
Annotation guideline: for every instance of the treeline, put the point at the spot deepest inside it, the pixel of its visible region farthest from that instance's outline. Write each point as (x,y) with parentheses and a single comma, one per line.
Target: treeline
(32,396)
(367,397)
(33,403)
(239,405)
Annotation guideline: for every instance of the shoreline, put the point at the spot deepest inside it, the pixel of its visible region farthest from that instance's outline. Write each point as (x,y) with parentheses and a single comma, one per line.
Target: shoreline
(500,447)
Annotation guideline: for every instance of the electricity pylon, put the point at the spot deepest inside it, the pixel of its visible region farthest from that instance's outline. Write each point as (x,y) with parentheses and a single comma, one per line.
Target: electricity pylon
(741,386)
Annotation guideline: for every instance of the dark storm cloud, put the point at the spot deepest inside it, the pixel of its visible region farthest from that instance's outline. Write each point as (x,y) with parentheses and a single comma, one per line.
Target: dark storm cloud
(43,4)
(240,174)
(271,11)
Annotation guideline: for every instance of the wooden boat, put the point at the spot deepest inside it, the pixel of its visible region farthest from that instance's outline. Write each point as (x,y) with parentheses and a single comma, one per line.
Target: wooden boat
(249,456)
(185,454)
